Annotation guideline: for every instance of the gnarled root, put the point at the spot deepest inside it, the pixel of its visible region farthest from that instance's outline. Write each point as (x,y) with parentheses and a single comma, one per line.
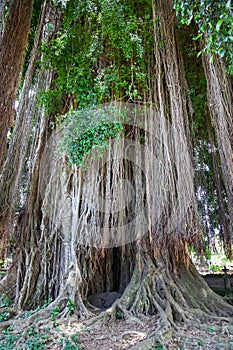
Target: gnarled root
(178,299)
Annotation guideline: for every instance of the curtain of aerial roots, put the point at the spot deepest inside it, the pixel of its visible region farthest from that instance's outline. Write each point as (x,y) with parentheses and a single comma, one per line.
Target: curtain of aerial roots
(220,103)
(12,49)
(170,94)
(19,176)
(139,191)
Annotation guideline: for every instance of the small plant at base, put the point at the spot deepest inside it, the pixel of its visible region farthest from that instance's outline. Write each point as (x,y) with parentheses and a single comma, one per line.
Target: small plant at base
(71,306)
(159,347)
(36,340)
(46,303)
(4,316)
(67,345)
(55,311)
(5,301)
(75,338)
(119,316)
(8,340)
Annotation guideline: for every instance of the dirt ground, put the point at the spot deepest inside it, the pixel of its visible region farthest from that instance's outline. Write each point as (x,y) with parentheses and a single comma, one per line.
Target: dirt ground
(123,334)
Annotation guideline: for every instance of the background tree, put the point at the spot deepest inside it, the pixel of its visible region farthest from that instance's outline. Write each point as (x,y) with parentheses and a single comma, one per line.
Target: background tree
(213,23)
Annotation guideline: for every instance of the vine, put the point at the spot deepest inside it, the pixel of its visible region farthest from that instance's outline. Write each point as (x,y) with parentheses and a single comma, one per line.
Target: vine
(89,130)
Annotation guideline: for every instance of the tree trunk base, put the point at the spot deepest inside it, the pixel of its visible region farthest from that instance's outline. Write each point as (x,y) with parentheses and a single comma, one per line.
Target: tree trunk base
(177,298)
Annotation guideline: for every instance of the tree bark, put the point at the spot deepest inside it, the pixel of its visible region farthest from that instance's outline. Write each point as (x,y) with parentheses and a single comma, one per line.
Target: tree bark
(13,45)
(14,166)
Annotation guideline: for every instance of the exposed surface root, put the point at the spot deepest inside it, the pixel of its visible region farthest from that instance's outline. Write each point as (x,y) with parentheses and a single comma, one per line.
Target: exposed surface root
(136,331)
(171,301)
(56,311)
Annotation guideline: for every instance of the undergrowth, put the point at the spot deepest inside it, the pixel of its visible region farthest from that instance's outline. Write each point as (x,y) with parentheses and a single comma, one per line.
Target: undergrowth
(34,337)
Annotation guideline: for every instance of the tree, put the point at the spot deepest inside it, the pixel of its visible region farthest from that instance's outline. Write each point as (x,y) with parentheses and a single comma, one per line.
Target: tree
(75,235)
(214,23)
(13,43)
(13,46)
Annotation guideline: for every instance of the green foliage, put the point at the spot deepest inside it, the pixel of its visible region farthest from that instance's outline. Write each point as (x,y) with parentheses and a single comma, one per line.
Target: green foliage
(159,347)
(215,25)
(75,338)
(215,268)
(5,301)
(33,340)
(89,129)
(55,311)
(100,52)
(71,306)
(71,344)
(119,316)
(4,316)
(8,340)
(36,340)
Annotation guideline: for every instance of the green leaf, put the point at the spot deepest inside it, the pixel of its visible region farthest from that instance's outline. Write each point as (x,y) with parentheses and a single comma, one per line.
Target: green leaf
(219,23)
(200,35)
(221,52)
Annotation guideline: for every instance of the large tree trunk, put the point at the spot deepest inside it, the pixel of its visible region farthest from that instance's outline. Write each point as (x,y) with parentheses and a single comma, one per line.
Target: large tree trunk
(13,43)
(124,222)
(13,177)
(12,49)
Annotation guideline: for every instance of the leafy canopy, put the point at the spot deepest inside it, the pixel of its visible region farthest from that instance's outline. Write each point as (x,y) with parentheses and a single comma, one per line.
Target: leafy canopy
(214,19)
(100,52)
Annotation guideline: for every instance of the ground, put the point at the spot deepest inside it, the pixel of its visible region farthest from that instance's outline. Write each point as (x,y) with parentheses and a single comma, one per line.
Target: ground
(71,334)
(128,335)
